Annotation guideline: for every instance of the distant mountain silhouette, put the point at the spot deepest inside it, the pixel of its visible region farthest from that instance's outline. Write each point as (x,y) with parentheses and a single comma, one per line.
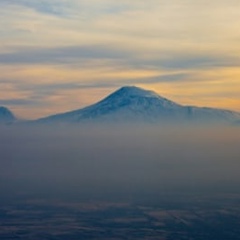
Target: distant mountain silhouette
(134,104)
(6,116)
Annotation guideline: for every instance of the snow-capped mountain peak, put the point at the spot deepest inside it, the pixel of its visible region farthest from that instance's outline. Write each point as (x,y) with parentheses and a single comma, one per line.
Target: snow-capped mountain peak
(134,104)
(138,96)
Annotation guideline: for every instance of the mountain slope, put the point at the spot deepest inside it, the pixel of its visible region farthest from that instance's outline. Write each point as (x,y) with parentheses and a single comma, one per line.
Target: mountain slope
(131,104)
(6,116)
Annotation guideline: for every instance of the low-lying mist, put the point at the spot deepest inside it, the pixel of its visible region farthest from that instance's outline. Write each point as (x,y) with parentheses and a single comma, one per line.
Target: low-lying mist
(117,163)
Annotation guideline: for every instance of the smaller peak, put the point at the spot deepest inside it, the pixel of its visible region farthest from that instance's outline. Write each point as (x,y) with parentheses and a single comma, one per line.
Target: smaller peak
(6,114)
(4,109)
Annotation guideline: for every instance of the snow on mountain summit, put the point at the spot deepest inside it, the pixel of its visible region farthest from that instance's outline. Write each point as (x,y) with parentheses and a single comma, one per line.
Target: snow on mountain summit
(134,104)
(128,91)
(131,95)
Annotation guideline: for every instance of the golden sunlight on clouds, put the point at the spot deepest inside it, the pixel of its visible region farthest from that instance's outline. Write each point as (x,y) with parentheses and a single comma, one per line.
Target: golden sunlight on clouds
(8,91)
(217,88)
(63,101)
(64,55)
(41,74)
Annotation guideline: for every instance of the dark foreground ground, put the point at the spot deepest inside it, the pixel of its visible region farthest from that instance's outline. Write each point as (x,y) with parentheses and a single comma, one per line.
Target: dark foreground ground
(174,217)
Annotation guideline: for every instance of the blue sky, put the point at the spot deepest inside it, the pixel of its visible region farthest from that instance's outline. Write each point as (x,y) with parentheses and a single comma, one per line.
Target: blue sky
(61,55)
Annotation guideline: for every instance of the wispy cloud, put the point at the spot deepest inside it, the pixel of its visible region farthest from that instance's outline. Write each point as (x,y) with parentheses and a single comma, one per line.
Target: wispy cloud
(179,48)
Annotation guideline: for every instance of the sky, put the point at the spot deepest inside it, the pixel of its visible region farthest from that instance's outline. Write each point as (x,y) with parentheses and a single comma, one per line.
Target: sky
(61,55)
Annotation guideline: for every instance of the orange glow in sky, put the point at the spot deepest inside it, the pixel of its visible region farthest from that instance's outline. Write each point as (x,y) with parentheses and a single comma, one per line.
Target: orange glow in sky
(62,55)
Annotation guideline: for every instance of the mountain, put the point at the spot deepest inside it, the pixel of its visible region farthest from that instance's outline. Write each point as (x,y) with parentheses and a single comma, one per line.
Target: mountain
(6,116)
(133,104)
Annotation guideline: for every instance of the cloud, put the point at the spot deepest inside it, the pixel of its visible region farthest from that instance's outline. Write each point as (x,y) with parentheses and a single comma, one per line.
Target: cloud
(43,6)
(172,47)
(151,27)
(59,55)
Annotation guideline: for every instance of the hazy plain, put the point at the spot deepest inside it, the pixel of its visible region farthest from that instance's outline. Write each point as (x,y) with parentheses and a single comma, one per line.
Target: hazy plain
(124,161)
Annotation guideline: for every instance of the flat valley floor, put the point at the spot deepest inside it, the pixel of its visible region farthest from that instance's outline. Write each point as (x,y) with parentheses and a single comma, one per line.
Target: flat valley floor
(180,217)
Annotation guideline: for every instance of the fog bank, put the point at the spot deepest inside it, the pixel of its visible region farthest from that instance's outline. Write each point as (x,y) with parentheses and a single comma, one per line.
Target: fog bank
(128,162)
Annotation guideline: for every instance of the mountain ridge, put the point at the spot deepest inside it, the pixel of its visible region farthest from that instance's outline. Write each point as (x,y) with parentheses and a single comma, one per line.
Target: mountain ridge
(134,104)
(131,104)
